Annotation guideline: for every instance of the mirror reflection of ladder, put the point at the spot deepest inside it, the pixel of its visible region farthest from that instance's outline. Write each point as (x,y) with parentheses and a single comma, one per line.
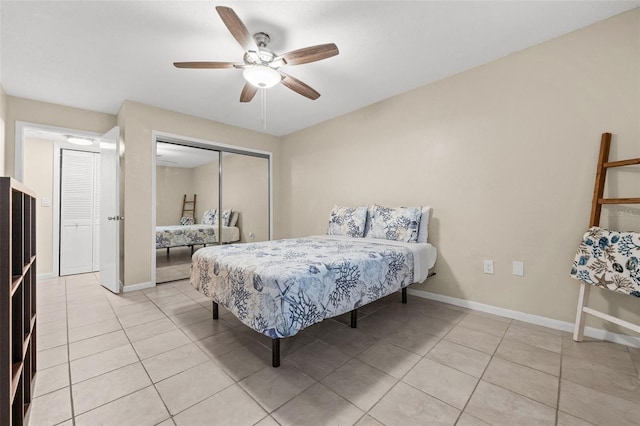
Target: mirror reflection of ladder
(189,206)
(596,209)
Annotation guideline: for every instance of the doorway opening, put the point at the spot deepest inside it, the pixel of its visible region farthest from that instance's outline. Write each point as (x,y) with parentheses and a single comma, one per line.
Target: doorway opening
(42,150)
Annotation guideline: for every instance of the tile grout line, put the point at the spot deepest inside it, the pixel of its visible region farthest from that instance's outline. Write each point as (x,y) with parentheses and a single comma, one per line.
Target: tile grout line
(482,375)
(141,364)
(404,375)
(107,372)
(559,379)
(66,313)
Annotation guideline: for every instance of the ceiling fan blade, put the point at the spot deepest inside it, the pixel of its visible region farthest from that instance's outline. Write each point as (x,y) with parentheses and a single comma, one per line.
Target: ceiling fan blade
(310,54)
(299,87)
(204,64)
(248,92)
(236,27)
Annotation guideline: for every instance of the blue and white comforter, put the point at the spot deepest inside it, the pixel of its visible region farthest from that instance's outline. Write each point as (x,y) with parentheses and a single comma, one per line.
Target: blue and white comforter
(610,260)
(280,287)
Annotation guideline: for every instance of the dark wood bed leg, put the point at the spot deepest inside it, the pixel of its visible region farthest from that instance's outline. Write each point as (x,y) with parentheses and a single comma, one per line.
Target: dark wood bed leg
(404,295)
(191,250)
(167,251)
(275,352)
(354,318)
(215,310)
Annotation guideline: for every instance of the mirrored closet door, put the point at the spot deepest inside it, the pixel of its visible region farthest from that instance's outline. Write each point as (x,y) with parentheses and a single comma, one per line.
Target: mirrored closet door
(245,193)
(202,192)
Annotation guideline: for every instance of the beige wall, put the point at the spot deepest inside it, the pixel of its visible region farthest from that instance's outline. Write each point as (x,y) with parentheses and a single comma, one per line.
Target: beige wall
(20,109)
(3,108)
(205,184)
(38,175)
(172,183)
(506,155)
(138,121)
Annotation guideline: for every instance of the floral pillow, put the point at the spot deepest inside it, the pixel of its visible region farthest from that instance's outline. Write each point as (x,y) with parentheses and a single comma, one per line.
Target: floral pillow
(186,220)
(210,217)
(399,223)
(226,215)
(348,221)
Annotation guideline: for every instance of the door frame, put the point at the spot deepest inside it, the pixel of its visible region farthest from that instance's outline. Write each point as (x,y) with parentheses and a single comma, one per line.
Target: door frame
(18,167)
(198,143)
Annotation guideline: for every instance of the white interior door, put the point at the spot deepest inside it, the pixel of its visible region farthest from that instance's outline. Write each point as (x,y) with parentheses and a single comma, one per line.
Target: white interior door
(76,212)
(110,217)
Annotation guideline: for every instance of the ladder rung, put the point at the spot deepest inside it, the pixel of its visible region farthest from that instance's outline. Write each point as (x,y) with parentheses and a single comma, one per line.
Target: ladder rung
(630,162)
(619,201)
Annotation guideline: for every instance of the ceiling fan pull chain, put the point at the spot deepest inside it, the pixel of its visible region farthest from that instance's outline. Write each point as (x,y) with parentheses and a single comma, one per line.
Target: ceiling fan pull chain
(264,109)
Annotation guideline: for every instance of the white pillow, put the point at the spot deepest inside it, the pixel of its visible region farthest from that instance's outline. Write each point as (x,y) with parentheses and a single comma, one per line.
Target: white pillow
(234,219)
(423,230)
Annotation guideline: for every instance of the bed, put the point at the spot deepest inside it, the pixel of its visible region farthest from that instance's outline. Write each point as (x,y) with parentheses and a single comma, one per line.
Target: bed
(281,287)
(191,235)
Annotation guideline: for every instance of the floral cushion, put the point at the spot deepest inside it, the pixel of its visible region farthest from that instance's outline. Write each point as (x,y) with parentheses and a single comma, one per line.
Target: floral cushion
(610,260)
(186,220)
(210,217)
(399,224)
(347,221)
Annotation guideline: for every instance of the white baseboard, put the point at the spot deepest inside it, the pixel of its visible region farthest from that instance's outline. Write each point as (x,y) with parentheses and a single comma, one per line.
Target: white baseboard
(46,276)
(139,286)
(596,333)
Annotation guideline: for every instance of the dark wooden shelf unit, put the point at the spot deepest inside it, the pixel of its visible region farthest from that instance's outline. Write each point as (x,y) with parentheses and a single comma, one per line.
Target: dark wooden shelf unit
(17,300)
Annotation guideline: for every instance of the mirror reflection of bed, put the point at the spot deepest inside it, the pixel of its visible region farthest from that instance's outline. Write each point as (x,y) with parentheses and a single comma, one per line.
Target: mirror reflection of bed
(195,175)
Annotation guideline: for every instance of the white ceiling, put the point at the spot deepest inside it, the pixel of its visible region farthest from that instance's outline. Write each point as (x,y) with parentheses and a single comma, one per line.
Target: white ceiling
(96,54)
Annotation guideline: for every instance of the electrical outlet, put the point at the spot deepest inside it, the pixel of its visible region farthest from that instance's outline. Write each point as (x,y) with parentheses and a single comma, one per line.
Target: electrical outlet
(252,236)
(488,267)
(518,268)
(45,202)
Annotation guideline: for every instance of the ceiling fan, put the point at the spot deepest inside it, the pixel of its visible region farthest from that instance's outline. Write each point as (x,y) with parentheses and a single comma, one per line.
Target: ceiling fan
(260,64)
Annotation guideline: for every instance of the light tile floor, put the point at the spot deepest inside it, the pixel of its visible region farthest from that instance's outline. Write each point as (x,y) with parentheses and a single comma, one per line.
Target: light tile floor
(155,357)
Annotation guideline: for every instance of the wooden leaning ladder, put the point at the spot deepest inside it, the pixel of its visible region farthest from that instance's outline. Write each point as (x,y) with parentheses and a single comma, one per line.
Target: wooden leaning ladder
(596,209)
(192,204)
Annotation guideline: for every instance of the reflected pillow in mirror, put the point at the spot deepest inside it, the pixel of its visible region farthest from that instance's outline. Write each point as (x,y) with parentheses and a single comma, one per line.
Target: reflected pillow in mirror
(226,216)
(186,220)
(210,217)
(234,219)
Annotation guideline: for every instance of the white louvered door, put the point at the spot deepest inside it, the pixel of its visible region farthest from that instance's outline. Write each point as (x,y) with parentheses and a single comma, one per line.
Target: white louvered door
(77,212)
(96,212)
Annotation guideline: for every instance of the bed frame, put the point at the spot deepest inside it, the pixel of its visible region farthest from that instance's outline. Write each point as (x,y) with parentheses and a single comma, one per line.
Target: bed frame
(275,342)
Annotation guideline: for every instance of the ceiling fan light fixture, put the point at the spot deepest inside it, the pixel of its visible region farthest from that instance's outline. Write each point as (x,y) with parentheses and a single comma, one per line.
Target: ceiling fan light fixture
(261,76)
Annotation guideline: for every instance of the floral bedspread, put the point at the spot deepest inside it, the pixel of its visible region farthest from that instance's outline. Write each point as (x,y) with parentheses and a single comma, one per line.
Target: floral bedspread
(184,235)
(610,260)
(280,287)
